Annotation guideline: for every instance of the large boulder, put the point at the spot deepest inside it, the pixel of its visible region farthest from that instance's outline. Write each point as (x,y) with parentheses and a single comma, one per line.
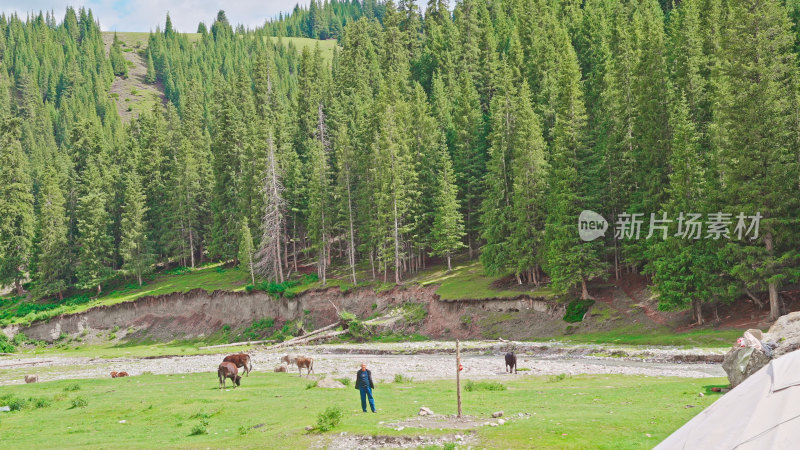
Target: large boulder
(741,362)
(785,333)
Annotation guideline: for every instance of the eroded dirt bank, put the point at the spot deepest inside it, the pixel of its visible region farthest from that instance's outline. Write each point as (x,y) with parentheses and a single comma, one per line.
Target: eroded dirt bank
(198,313)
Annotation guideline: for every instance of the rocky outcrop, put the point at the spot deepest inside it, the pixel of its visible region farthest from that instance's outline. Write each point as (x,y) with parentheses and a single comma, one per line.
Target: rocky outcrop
(784,335)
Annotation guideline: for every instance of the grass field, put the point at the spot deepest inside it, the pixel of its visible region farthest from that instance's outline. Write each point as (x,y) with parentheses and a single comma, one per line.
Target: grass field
(326,47)
(271,410)
(637,335)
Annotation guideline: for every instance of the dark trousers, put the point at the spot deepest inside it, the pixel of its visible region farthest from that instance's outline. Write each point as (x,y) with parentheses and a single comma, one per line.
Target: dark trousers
(366,392)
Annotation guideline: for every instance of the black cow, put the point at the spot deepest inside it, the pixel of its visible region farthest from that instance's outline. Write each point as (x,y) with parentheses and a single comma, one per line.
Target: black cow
(511,362)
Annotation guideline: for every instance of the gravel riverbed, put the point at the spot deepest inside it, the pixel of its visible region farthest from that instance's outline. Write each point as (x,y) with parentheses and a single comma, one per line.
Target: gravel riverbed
(419,360)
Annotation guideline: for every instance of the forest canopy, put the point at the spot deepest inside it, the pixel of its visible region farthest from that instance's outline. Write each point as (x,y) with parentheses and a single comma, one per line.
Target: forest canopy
(484,129)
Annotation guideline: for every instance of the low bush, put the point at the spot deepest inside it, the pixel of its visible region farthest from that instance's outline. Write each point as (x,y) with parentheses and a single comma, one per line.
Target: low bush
(557,378)
(474,386)
(400,378)
(79,402)
(72,387)
(6,346)
(329,419)
(576,309)
(200,428)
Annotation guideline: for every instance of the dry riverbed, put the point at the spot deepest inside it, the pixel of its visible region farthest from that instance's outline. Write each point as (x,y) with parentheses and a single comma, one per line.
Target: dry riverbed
(418,360)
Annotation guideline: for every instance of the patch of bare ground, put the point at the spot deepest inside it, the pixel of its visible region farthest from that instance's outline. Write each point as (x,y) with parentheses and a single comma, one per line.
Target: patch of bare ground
(358,441)
(132,94)
(453,422)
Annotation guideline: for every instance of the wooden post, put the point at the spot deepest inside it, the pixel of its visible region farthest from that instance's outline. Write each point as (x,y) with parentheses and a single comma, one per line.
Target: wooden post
(458,376)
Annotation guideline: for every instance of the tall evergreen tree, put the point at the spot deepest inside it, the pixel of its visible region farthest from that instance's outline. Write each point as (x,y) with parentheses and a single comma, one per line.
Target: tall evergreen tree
(133,242)
(16,204)
(568,261)
(52,255)
(93,241)
(448,225)
(756,131)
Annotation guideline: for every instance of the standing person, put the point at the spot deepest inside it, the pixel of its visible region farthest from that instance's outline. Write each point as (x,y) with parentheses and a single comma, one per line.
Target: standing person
(365,386)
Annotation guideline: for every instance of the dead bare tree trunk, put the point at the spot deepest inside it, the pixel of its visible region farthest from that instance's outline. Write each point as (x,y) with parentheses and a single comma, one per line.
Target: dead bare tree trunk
(270,263)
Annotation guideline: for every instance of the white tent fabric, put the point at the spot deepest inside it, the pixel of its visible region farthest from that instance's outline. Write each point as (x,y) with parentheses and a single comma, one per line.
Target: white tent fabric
(761,413)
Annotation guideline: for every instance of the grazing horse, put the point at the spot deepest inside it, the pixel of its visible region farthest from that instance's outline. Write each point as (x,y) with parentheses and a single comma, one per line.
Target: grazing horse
(304,363)
(511,362)
(241,360)
(228,370)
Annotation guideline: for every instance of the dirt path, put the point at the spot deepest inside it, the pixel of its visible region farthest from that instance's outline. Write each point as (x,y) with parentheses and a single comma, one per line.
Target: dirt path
(421,361)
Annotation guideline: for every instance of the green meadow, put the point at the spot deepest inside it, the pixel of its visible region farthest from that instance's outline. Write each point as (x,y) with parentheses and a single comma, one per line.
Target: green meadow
(273,410)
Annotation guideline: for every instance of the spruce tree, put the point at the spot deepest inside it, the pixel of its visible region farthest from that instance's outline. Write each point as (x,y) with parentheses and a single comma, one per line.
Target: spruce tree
(93,240)
(245,254)
(52,255)
(568,260)
(529,174)
(150,76)
(133,241)
(16,204)
(448,224)
(756,133)
(118,62)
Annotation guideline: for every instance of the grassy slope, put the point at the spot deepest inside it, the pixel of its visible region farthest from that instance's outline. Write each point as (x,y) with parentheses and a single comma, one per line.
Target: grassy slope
(210,278)
(159,411)
(299,43)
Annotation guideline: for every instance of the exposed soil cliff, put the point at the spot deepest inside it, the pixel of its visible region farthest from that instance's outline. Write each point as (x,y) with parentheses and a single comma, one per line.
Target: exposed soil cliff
(197,313)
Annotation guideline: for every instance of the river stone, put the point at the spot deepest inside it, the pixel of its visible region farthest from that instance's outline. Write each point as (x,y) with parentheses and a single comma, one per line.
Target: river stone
(425,411)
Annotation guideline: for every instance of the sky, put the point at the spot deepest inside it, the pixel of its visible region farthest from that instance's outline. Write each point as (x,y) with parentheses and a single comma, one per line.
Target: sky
(145,15)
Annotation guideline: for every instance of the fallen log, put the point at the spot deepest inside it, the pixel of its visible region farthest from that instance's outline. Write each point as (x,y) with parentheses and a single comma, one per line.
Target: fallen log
(235,344)
(304,337)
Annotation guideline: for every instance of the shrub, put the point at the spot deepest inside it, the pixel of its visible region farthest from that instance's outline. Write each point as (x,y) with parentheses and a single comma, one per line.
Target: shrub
(72,387)
(557,378)
(474,386)
(79,402)
(576,309)
(19,339)
(41,402)
(414,313)
(329,419)
(312,385)
(200,428)
(5,345)
(180,270)
(17,404)
(400,378)
(344,381)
